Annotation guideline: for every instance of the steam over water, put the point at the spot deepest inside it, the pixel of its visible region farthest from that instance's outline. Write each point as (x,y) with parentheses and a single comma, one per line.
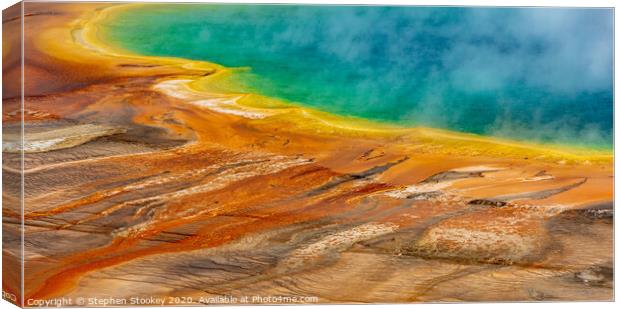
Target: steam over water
(534,74)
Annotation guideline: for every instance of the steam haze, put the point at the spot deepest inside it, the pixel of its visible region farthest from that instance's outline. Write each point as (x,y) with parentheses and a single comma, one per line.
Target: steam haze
(541,74)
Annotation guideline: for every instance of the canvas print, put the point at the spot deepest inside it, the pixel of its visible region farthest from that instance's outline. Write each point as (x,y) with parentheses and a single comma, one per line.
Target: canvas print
(212,154)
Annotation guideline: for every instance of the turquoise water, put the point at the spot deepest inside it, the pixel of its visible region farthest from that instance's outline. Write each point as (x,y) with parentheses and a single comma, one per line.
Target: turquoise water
(531,74)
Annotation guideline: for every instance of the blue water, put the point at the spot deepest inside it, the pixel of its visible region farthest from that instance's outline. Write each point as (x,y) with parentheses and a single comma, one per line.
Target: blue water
(529,74)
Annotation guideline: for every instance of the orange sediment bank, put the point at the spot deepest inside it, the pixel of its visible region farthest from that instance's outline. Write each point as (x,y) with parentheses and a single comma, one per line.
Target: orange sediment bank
(225,193)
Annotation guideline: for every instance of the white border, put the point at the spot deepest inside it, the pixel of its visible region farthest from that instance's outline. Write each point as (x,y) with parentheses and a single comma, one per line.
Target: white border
(521,3)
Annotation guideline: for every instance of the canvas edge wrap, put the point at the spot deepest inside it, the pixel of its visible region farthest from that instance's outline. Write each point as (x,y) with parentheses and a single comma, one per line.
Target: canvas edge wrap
(12,184)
